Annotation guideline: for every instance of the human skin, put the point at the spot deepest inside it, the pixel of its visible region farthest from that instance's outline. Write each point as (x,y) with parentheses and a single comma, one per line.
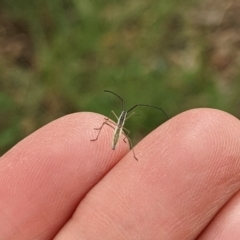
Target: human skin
(57,184)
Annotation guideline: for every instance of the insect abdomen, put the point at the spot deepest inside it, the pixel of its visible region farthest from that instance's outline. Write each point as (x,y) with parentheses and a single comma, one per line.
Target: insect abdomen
(116,137)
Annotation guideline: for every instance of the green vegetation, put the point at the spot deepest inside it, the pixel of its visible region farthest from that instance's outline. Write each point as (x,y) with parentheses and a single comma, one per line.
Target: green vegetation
(57,56)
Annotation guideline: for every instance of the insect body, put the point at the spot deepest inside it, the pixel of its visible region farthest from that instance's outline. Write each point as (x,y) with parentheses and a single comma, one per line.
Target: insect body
(119,127)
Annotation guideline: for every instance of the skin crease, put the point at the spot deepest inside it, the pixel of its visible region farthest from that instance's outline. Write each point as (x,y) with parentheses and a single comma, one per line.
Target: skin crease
(56,184)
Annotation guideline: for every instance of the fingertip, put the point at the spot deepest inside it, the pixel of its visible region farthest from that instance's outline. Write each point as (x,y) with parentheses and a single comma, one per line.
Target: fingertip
(48,173)
(192,128)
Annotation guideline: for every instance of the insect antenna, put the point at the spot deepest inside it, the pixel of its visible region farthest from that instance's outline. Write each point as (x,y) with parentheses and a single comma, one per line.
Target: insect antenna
(117,96)
(145,105)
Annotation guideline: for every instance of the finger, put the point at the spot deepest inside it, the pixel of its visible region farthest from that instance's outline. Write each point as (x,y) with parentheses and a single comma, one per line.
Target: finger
(187,170)
(226,224)
(45,176)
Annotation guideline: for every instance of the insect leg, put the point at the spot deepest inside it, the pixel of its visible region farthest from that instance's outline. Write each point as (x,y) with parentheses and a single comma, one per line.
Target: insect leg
(132,113)
(125,134)
(100,128)
(130,142)
(115,115)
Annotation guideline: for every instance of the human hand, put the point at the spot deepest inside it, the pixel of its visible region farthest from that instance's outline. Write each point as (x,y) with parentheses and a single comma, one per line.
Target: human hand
(57,184)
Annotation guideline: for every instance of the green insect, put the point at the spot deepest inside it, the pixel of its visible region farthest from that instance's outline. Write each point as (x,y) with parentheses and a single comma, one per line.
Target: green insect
(119,126)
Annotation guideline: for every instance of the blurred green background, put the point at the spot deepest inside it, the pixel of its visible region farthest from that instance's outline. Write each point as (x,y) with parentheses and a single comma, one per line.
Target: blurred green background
(57,57)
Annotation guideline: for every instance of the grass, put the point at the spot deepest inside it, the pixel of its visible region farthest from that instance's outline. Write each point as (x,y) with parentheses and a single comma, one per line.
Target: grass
(56,57)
